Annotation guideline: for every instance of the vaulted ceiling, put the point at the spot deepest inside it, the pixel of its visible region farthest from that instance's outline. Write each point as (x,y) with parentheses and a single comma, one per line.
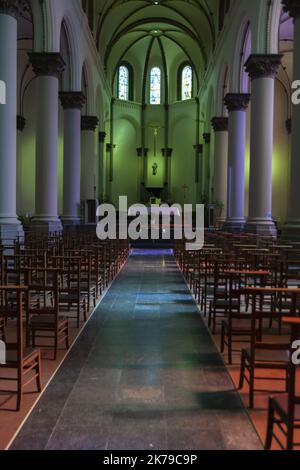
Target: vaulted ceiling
(184,29)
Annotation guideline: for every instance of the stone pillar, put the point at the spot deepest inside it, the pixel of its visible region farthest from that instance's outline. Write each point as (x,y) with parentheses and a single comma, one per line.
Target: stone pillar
(47,67)
(21,123)
(72,103)
(206,166)
(198,176)
(101,176)
(262,70)
(10,227)
(292,228)
(220,126)
(236,104)
(88,127)
(167,154)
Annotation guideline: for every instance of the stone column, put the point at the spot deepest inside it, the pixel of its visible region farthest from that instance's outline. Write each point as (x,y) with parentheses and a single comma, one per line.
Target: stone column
(262,70)
(72,103)
(21,123)
(206,166)
(167,154)
(220,126)
(10,227)
(292,228)
(101,176)
(47,67)
(88,127)
(198,176)
(236,104)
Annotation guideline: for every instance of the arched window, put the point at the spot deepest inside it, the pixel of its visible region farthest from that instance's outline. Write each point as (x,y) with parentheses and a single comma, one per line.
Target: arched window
(155,86)
(123,83)
(187,83)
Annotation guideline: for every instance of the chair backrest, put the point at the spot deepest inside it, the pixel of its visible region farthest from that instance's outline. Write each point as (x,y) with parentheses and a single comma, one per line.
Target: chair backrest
(14,309)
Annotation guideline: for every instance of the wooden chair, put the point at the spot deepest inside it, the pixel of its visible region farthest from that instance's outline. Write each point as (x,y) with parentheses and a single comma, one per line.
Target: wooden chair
(262,354)
(45,320)
(284,410)
(26,361)
(236,326)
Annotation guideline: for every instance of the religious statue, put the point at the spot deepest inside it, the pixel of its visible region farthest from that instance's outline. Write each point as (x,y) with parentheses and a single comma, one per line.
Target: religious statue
(154,168)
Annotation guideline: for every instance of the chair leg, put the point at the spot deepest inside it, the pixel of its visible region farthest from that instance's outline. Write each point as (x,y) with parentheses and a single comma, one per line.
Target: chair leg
(242,371)
(20,389)
(270,426)
(223,338)
(39,372)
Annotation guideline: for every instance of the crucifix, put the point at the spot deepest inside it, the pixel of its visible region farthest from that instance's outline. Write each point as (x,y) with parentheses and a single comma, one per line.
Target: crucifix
(156,129)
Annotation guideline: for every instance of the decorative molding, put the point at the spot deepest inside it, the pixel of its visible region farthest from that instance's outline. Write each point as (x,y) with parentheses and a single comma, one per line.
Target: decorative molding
(21,123)
(206,138)
(72,99)
(220,124)
(292,7)
(263,65)
(89,123)
(127,104)
(167,152)
(142,152)
(47,63)
(12,7)
(110,147)
(102,137)
(237,101)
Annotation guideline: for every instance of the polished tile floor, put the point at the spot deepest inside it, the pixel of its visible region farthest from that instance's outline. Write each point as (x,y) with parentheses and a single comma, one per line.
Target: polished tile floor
(144,374)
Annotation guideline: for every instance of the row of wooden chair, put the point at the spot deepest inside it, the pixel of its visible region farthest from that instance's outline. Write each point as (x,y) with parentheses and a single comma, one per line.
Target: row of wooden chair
(44,284)
(220,277)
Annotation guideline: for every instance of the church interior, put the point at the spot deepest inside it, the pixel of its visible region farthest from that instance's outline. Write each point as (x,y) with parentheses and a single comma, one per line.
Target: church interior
(135,344)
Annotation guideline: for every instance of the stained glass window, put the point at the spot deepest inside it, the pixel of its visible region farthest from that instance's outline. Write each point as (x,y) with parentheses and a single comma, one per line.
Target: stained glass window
(155,86)
(187,83)
(123,86)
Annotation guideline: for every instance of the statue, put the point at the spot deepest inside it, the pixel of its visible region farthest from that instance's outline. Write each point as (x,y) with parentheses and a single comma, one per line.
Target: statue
(154,168)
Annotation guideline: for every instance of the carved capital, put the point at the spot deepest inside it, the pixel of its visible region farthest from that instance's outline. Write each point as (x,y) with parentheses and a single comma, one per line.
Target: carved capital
(198,148)
(110,147)
(12,7)
(102,136)
(47,63)
(89,123)
(237,101)
(167,152)
(263,65)
(206,138)
(72,99)
(292,7)
(220,124)
(142,152)
(21,123)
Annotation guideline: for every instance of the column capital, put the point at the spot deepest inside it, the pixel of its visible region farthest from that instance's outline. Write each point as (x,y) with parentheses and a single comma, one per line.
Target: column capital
(89,123)
(110,147)
(288,125)
(12,7)
(220,124)
(237,101)
(47,63)
(198,148)
(21,122)
(142,152)
(102,136)
(263,65)
(72,99)
(292,7)
(167,152)
(206,138)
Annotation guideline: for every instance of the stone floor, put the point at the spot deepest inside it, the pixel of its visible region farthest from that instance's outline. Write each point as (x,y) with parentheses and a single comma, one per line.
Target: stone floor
(144,374)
